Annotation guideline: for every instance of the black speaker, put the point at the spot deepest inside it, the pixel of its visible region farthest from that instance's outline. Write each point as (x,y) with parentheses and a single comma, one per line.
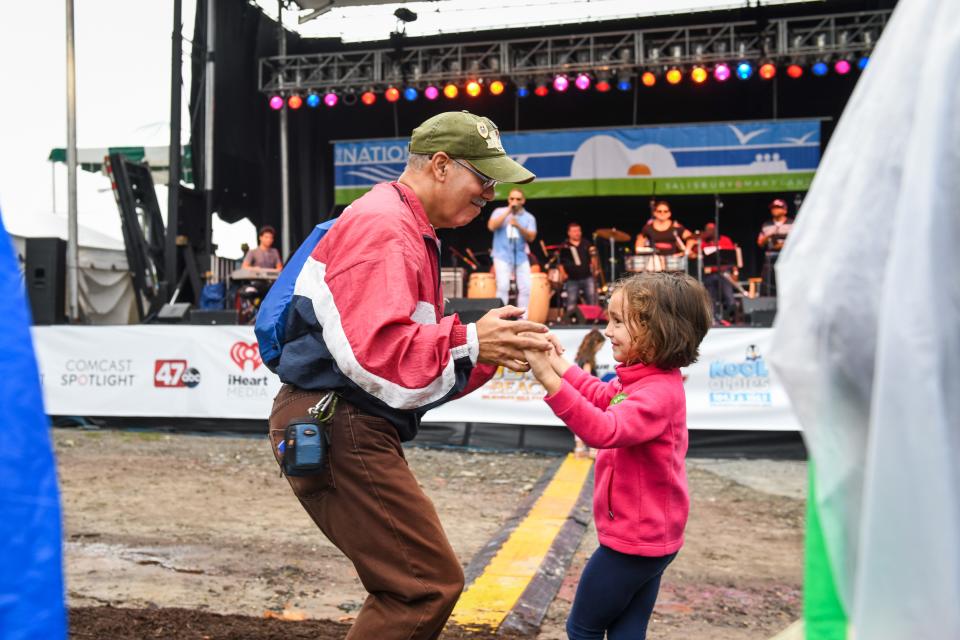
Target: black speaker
(760,311)
(213,316)
(46,276)
(471,309)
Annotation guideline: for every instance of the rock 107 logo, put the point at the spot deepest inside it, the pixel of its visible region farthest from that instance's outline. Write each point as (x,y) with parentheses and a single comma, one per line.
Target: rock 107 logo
(741,383)
(174,373)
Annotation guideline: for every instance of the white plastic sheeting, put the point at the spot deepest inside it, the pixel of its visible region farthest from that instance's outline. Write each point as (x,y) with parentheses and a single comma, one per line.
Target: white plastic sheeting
(868,334)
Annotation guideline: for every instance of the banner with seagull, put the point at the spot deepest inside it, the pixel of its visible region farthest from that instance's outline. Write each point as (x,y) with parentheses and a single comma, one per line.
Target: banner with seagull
(729,157)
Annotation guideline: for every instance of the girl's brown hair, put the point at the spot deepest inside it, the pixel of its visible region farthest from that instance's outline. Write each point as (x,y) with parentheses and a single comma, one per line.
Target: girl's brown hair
(587,353)
(667,314)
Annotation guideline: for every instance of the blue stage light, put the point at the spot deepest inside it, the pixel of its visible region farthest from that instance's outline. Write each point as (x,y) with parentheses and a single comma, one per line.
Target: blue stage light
(410,94)
(313,100)
(523,91)
(624,85)
(820,68)
(862,62)
(744,70)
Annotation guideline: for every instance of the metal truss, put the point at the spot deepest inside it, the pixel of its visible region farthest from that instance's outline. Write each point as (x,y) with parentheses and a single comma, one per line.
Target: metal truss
(801,39)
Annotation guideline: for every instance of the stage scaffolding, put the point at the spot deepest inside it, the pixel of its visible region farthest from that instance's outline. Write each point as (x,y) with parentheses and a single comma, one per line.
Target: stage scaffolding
(522,60)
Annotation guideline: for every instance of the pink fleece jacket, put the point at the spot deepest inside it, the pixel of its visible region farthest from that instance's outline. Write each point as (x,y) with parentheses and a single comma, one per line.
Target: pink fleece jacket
(639,422)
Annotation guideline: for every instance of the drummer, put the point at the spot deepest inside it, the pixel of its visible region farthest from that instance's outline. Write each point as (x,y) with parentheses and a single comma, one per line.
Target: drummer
(665,235)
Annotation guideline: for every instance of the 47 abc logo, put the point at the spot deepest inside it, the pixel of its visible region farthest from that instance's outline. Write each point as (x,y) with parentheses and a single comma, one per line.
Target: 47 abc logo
(174,373)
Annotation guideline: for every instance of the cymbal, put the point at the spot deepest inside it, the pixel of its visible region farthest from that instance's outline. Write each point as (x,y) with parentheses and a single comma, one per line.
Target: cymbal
(612,234)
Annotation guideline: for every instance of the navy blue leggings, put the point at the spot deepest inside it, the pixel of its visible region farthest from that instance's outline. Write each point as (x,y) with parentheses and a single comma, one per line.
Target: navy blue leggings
(615,596)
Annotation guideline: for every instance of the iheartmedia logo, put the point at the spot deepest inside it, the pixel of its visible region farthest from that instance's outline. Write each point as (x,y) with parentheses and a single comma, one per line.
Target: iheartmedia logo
(174,373)
(242,353)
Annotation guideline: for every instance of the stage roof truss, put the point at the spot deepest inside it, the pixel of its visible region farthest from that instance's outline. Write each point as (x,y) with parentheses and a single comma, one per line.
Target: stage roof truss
(521,59)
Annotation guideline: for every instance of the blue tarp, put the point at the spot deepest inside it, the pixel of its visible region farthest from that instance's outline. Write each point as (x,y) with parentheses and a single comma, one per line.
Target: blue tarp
(31,565)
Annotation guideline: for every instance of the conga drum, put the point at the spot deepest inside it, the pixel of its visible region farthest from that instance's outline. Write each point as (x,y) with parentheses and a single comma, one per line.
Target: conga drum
(540,291)
(482,285)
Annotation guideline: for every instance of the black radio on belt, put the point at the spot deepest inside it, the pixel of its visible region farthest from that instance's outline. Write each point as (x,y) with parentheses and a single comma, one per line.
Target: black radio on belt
(304,447)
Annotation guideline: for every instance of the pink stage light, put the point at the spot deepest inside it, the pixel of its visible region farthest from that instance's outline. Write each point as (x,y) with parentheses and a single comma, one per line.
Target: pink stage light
(582,82)
(431,93)
(561,83)
(331,99)
(276,103)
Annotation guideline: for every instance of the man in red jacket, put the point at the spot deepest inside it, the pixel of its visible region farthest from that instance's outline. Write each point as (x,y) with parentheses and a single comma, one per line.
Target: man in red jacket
(367,323)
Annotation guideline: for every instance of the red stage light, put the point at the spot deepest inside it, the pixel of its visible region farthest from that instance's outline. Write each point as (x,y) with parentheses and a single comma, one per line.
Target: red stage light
(368,98)
(602,86)
(648,78)
(451,91)
(795,71)
(767,70)
(473,88)
(295,102)
(496,87)
(392,94)
(541,90)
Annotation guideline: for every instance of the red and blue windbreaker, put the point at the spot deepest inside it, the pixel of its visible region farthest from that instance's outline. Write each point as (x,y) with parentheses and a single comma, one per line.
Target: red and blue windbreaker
(366,317)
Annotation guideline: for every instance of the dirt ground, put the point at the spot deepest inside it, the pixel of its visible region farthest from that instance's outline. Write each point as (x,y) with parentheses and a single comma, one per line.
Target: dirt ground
(178,536)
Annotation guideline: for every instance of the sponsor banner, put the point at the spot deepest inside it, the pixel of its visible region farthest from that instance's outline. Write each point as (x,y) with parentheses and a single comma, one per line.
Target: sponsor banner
(216,372)
(156,371)
(741,157)
(730,387)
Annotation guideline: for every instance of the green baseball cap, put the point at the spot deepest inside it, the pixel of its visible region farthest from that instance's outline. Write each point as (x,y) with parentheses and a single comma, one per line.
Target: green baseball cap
(463,135)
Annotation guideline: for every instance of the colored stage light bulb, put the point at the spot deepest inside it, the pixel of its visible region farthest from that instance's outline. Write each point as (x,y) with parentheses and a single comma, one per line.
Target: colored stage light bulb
(561,83)
(744,70)
(795,71)
(523,91)
(721,72)
(331,99)
(698,75)
(473,88)
(582,82)
(451,91)
(602,86)
(431,93)
(862,62)
(624,84)
(674,76)
(541,90)
(767,70)
(313,100)
(276,103)
(368,98)
(842,66)
(649,78)
(820,68)
(410,94)
(497,87)
(294,102)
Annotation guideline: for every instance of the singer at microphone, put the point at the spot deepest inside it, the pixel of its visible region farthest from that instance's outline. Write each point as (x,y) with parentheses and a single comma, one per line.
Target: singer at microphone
(513,227)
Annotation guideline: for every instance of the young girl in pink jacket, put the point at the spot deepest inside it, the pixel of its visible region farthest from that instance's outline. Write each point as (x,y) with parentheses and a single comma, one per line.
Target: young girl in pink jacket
(638,422)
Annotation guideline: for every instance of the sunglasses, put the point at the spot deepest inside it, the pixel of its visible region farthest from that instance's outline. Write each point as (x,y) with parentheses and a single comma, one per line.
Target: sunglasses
(485,181)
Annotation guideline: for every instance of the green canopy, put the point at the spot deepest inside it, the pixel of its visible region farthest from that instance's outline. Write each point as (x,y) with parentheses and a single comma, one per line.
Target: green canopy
(91,159)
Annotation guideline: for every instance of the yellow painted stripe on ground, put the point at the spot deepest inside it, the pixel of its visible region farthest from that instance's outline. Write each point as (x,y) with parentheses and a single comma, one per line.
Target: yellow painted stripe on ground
(493,595)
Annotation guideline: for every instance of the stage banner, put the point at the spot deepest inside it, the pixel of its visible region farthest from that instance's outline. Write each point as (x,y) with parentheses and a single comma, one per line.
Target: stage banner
(154,371)
(734,157)
(730,387)
(216,372)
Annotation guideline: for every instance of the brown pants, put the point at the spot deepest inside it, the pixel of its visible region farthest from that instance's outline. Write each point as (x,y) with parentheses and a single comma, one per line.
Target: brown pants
(368,503)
